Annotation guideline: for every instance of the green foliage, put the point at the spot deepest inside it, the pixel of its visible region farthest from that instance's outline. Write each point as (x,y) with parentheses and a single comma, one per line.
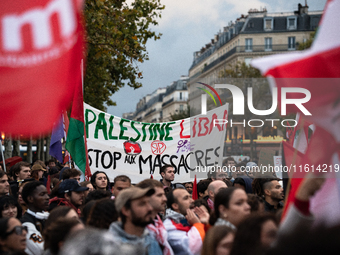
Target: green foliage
(116,43)
(240,70)
(307,44)
(181,115)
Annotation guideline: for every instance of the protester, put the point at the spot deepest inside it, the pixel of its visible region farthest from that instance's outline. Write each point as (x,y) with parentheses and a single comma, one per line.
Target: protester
(36,198)
(244,183)
(20,200)
(185,229)
(37,172)
(70,193)
(272,191)
(100,180)
(213,189)
(133,205)
(231,207)
(256,203)
(188,186)
(51,163)
(202,189)
(203,204)
(102,214)
(61,212)
(71,174)
(21,171)
(121,182)
(258,232)
(4,185)
(88,185)
(56,234)
(218,241)
(168,175)
(12,236)
(9,207)
(158,202)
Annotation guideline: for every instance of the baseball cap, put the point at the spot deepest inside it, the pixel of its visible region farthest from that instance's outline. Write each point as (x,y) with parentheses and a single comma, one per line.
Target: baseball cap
(131,193)
(70,185)
(37,167)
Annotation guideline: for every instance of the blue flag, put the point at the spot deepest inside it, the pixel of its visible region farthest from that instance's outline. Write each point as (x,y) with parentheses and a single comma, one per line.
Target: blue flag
(57,135)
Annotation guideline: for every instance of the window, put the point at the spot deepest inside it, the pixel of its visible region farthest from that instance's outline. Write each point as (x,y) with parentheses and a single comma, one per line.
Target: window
(180,95)
(268,24)
(249,44)
(268,44)
(291,23)
(291,43)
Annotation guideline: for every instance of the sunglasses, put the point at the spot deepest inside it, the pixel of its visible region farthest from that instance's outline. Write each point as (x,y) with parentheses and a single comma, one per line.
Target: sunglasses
(17,230)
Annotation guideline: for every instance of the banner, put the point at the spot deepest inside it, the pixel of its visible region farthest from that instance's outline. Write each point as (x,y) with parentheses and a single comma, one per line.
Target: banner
(119,146)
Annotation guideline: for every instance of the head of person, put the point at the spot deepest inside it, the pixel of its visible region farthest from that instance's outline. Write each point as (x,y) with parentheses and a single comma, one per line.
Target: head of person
(4,184)
(218,241)
(229,162)
(20,200)
(61,212)
(256,203)
(202,188)
(158,199)
(87,184)
(12,235)
(243,182)
(179,200)
(133,205)
(167,172)
(100,180)
(51,163)
(188,186)
(251,169)
(102,214)
(21,170)
(35,196)
(121,182)
(258,232)
(37,172)
(219,173)
(71,173)
(231,205)
(71,190)
(214,187)
(9,207)
(202,203)
(240,170)
(55,234)
(97,194)
(272,190)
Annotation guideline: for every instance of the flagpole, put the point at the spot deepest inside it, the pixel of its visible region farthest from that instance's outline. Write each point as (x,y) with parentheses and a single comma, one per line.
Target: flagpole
(2,154)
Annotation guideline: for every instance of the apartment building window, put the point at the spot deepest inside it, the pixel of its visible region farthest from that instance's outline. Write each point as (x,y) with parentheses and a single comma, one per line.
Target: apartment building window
(291,23)
(268,24)
(268,44)
(291,43)
(180,95)
(249,44)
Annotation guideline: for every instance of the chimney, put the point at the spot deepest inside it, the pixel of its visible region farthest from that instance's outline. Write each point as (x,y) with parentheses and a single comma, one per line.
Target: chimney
(302,9)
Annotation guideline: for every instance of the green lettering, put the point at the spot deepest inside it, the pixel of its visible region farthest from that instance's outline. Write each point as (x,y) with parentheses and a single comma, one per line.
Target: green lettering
(160,129)
(101,124)
(111,137)
(167,131)
(144,131)
(88,122)
(122,128)
(138,136)
(151,133)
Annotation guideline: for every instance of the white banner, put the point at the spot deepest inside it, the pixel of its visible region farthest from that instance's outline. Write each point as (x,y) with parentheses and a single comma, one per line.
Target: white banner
(119,146)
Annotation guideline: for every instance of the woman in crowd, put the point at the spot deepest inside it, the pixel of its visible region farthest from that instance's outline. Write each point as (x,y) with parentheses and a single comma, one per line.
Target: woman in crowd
(230,207)
(20,200)
(61,212)
(100,180)
(258,232)
(218,241)
(9,207)
(12,236)
(102,214)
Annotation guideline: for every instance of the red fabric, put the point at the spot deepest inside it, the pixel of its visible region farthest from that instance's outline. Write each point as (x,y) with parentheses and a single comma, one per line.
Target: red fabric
(65,202)
(302,206)
(194,190)
(48,184)
(37,70)
(160,235)
(151,177)
(179,226)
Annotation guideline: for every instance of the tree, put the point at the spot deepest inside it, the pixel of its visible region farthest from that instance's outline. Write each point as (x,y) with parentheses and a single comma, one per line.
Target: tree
(307,44)
(181,114)
(116,43)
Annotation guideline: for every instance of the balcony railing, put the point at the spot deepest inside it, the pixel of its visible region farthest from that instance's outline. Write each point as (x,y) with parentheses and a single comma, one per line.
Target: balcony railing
(176,99)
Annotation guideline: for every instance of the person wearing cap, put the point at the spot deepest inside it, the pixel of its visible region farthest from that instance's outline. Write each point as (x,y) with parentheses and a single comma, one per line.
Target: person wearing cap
(71,194)
(184,223)
(136,212)
(37,172)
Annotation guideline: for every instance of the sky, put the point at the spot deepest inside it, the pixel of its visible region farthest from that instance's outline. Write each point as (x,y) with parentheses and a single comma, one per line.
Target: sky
(187,26)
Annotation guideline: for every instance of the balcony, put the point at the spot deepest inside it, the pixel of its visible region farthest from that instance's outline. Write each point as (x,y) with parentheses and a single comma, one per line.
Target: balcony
(177,99)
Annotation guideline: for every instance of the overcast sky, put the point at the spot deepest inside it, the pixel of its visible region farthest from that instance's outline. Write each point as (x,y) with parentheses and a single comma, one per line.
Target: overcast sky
(187,26)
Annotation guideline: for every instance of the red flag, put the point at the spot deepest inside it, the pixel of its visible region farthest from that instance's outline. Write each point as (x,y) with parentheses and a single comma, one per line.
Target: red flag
(194,190)
(151,177)
(40,52)
(48,184)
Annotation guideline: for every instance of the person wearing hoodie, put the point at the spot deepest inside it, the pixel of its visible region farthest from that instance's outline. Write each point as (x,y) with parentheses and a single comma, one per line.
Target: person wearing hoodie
(244,183)
(136,212)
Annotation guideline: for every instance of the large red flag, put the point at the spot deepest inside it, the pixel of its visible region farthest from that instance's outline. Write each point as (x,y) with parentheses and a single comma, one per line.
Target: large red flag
(41,47)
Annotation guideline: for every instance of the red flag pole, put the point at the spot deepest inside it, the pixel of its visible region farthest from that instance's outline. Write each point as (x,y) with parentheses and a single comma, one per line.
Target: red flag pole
(194,190)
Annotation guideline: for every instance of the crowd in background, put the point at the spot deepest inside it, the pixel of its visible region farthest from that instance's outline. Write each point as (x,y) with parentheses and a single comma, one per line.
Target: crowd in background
(45,209)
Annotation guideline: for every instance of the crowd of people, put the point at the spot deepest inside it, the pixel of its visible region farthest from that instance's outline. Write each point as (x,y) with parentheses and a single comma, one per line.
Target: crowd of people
(45,209)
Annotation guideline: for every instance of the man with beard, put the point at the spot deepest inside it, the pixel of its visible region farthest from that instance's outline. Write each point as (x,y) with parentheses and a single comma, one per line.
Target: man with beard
(273,195)
(168,174)
(36,198)
(136,212)
(158,203)
(184,223)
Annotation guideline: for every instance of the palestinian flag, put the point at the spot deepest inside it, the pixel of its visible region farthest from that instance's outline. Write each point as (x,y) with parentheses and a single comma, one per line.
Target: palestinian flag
(76,139)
